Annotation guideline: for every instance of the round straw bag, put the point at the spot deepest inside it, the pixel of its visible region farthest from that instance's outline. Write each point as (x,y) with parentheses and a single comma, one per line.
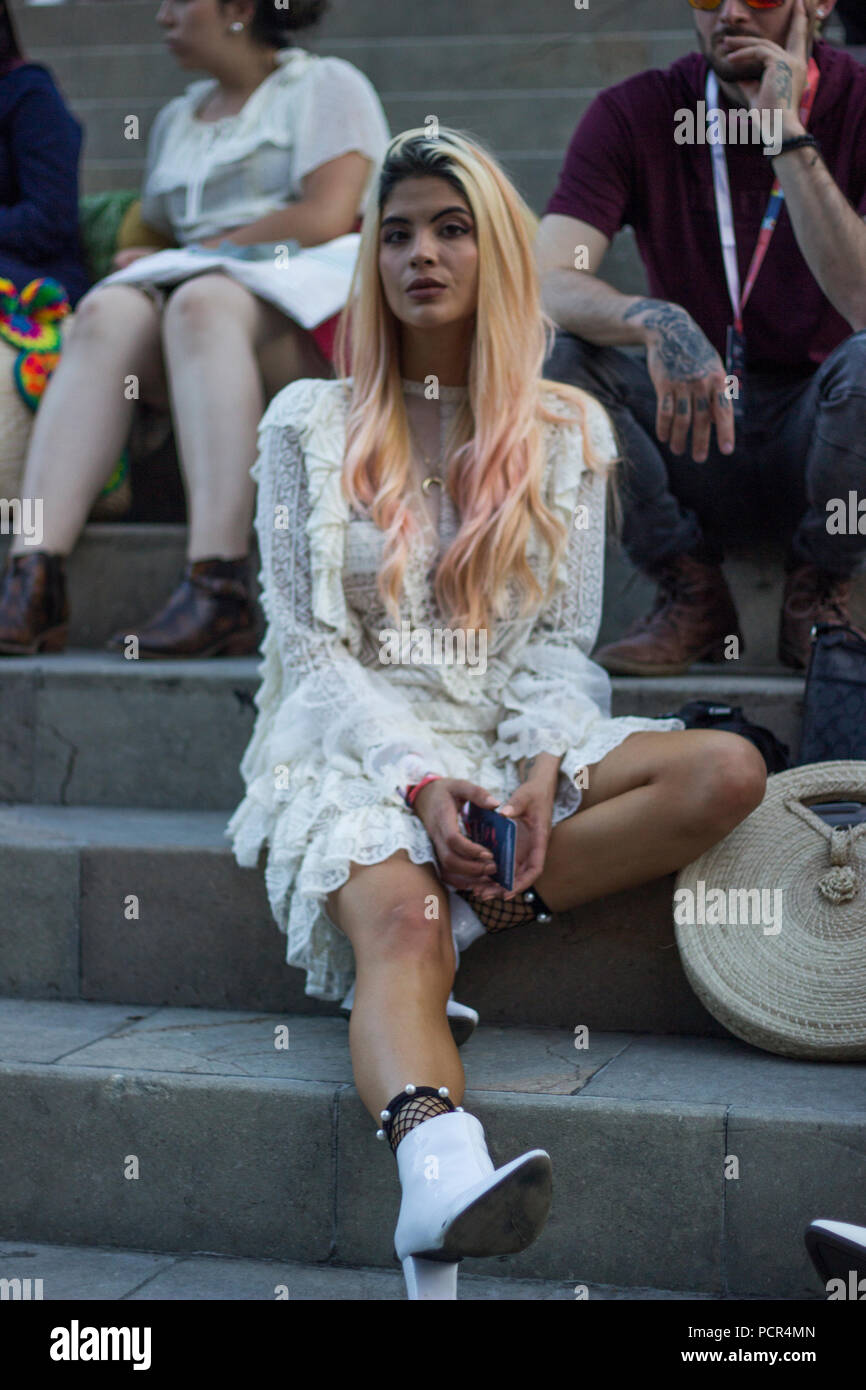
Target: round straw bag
(771,922)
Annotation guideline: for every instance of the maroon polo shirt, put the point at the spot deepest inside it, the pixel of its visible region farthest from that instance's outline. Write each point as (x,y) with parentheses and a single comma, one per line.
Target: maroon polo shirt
(624,167)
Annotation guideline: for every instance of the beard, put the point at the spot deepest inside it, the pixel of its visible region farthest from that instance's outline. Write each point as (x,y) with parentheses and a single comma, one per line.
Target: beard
(725,71)
(742,72)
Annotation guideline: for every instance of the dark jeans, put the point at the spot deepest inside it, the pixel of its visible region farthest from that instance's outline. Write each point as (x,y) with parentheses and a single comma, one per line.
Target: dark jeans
(802,443)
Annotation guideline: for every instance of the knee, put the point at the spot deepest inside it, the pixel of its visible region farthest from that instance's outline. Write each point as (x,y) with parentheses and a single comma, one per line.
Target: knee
(101,313)
(846,371)
(408,932)
(728,781)
(192,306)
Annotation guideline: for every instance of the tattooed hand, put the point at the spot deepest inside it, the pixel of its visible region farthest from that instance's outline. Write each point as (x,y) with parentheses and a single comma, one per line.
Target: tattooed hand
(781,86)
(689,379)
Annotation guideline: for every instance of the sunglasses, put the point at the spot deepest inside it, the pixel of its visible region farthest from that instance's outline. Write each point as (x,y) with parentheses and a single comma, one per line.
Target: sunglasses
(752,4)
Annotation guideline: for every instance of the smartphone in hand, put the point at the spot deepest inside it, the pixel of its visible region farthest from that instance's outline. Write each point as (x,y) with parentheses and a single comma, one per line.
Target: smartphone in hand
(496,833)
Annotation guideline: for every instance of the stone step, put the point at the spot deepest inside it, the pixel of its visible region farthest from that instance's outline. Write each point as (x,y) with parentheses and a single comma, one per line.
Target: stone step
(205,936)
(90,728)
(423,69)
(120,573)
(122,22)
(90,1272)
(641,1133)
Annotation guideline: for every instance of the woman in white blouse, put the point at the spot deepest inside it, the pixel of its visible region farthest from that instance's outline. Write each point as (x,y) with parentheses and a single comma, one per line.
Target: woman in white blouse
(447,486)
(276,148)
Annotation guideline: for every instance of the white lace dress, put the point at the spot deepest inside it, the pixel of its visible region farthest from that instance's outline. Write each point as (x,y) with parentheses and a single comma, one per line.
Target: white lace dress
(338,730)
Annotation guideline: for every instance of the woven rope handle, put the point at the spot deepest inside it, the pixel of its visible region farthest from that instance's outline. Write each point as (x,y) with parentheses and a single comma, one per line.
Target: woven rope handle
(839,884)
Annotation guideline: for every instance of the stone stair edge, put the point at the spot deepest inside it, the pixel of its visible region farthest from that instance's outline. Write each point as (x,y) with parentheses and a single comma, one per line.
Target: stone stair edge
(137,47)
(138,1082)
(90,661)
(185,1274)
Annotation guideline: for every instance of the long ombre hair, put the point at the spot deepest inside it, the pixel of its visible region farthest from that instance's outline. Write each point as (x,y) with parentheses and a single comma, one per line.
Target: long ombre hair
(496,443)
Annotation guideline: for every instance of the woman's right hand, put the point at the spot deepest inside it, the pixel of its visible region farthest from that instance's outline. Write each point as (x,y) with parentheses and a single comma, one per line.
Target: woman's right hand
(462,863)
(131,253)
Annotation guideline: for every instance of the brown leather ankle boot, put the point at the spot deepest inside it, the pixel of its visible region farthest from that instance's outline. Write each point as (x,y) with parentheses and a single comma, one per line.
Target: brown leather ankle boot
(692,616)
(811,596)
(34,609)
(210,613)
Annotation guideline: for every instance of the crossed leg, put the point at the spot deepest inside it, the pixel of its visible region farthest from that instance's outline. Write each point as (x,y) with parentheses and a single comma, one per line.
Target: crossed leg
(651,806)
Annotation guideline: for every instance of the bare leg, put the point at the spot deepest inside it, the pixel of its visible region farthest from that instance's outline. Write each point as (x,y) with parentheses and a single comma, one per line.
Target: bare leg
(651,806)
(84,418)
(214,331)
(405,965)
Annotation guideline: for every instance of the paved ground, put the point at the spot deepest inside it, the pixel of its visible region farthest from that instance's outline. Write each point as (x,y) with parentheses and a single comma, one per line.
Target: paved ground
(92,1272)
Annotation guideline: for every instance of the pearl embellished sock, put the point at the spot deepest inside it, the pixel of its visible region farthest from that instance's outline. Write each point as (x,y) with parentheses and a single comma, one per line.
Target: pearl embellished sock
(496,914)
(410,1108)
(415,1111)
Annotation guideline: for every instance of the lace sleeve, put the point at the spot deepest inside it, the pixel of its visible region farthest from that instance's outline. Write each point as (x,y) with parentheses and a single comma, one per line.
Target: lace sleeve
(556,692)
(332,708)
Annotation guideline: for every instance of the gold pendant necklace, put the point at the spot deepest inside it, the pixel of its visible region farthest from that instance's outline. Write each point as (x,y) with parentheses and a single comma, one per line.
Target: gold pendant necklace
(426,483)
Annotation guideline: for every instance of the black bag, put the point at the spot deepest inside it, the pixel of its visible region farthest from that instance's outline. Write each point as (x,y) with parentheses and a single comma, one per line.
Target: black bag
(702,714)
(834,709)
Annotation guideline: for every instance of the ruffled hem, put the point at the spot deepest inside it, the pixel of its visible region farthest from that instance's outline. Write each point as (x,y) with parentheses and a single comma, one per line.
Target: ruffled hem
(314,833)
(304,867)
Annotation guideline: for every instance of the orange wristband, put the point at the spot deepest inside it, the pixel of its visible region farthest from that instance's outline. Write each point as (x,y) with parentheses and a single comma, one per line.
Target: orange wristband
(412,792)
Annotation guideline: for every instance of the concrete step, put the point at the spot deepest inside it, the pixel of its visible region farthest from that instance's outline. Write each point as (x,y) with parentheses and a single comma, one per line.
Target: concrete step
(83,1272)
(89,728)
(191,1132)
(122,22)
(120,573)
(204,934)
(423,69)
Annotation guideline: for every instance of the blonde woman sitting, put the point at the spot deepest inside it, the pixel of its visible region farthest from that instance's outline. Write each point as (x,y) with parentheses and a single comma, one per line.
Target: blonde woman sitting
(448,486)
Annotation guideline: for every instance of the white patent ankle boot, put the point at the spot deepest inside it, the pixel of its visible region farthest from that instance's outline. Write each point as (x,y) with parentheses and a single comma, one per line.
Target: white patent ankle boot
(455,1203)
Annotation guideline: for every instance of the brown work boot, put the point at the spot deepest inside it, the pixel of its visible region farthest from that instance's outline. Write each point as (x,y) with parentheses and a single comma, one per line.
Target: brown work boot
(34,609)
(691,619)
(811,596)
(210,613)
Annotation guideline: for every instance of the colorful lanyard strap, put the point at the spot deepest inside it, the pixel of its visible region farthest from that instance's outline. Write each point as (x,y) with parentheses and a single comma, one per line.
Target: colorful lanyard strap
(724,209)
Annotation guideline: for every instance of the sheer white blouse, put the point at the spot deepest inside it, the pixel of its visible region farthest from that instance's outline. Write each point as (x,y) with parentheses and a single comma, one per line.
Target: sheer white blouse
(204,176)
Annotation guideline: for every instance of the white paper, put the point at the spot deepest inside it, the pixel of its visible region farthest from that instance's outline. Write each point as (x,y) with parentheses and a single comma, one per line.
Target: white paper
(311,286)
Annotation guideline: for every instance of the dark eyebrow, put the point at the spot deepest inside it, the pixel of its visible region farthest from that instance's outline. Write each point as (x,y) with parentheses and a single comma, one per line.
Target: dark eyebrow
(435,218)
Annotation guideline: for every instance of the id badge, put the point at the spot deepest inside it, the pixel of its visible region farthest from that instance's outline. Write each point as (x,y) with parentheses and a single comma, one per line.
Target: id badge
(735,366)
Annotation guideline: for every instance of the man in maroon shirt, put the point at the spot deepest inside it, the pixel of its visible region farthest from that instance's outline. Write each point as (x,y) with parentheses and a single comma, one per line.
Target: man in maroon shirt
(770,402)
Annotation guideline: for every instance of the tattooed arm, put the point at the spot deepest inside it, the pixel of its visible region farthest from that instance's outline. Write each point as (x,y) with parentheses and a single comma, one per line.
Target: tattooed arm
(689,378)
(686,370)
(830,233)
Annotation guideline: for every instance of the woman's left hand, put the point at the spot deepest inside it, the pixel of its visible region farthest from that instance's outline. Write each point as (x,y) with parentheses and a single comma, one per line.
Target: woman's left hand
(531,806)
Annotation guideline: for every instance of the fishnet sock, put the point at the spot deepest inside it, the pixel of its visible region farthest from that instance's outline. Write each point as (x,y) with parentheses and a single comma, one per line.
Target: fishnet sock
(412,1112)
(495,914)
